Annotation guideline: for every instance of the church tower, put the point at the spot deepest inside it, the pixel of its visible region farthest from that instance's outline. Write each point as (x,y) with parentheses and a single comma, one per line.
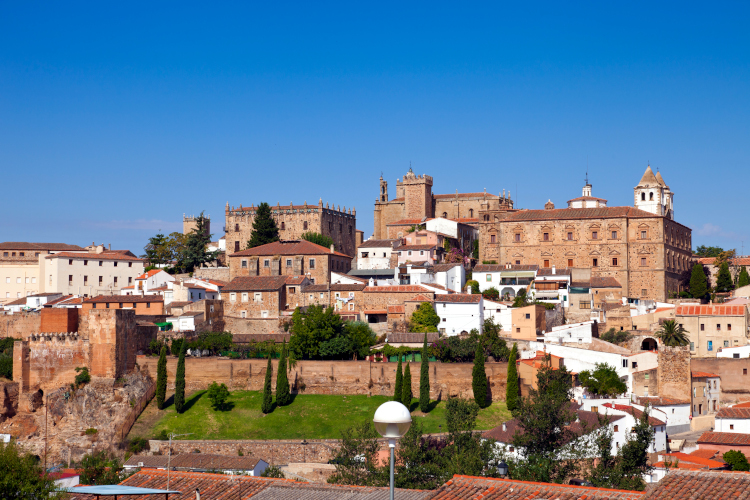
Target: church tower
(653,195)
(383,190)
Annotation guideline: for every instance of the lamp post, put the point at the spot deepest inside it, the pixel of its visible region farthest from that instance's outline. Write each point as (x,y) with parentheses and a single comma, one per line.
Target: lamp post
(169,457)
(502,468)
(392,420)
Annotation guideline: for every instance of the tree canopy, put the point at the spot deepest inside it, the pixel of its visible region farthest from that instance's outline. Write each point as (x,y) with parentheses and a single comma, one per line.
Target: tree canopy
(424,319)
(698,282)
(744,278)
(318,239)
(100,468)
(724,278)
(603,381)
(673,334)
(22,477)
(704,251)
(195,252)
(264,227)
(737,460)
(320,333)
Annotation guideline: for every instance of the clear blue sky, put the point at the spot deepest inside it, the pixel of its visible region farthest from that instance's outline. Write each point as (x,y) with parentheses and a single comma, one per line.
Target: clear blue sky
(115,119)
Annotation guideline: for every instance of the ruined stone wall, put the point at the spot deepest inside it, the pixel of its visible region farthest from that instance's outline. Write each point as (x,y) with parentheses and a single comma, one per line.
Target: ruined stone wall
(212,273)
(645,383)
(331,377)
(273,451)
(20,325)
(8,400)
(48,361)
(674,372)
(381,300)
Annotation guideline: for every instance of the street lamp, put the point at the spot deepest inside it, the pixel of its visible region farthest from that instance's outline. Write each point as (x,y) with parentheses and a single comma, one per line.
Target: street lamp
(392,420)
(502,469)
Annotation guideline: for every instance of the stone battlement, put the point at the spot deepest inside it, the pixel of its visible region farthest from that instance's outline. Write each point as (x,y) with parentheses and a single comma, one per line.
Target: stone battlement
(291,209)
(47,337)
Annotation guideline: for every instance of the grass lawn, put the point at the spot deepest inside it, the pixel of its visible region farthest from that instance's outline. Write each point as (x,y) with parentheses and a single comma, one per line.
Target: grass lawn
(310,416)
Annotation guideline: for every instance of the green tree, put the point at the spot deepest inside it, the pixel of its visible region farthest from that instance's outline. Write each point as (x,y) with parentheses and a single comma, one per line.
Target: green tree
(737,460)
(724,279)
(283,396)
(22,477)
(603,381)
(473,285)
(273,471)
(399,381)
(264,227)
(673,334)
(511,389)
(492,343)
(475,249)
(698,282)
(157,250)
(218,395)
(318,239)
(465,453)
(406,395)
(615,337)
(179,381)
(311,328)
(100,468)
(424,319)
(356,460)
(521,300)
(267,405)
(161,379)
(491,293)
(424,379)
(704,251)
(744,278)
(361,336)
(6,357)
(195,252)
(479,378)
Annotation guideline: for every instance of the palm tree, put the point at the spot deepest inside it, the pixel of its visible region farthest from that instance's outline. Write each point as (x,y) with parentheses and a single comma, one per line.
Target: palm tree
(673,334)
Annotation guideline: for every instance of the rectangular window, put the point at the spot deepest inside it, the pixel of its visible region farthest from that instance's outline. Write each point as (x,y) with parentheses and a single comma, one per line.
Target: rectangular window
(27,280)
(85,280)
(115,280)
(292,290)
(518,330)
(33,280)
(546,236)
(233,297)
(692,346)
(101,263)
(570,236)
(101,280)
(107,305)
(115,264)
(5,254)
(266,263)
(617,428)
(70,262)
(528,316)
(744,371)
(614,235)
(710,345)
(703,327)
(258,297)
(409,253)
(148,305)
(570,262)
(584,304)
(624,363)
(492,238)
(288,262)
(729,327)
(614,261)
(244,264)
(70,280)
(546,263)
(594,235)
(645,376)
(518,262)
(718,327)
(312,264)
(596,263)
(244,297)
(85,263)
(518,237)
(726,343)
(643,261)
(644,292)
(643,235)
(489,277)
(130,280)
(243,314)
(18,280)
(130,264)
(236,246)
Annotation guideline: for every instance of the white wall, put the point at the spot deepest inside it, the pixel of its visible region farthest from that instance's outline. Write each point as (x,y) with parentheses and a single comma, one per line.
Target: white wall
(452,279)
(501,313)
(729,352)
(54,275)
(495,279)
(741,425)
(456,317)
(377,258)
(576,333)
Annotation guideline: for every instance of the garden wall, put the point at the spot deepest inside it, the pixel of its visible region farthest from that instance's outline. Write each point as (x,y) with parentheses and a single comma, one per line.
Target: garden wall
(331,377)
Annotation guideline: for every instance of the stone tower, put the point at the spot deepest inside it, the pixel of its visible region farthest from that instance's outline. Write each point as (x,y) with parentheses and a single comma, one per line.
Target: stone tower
(383,190)
(653,195)
(417,195)
(189,223)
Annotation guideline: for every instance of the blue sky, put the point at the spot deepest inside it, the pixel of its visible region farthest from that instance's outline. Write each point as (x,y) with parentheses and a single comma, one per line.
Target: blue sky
(115,119)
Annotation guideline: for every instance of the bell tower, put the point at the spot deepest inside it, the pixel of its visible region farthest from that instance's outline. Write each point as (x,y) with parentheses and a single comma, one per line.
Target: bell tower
(653,195)
(383,190)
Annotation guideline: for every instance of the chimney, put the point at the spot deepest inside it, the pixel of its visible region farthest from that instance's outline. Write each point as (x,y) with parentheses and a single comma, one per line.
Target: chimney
(332,250)
(110,247)
(554,270)
(505,429)
(372,282)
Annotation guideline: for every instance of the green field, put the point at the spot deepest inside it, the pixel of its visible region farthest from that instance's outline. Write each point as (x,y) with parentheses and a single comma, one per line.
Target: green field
(310,416)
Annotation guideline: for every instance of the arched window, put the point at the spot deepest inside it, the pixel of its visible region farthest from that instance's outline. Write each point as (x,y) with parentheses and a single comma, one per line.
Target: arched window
(445,215)
(486,217)
(643,196)
(651,196)
(283,226)
(304,225)
(471,212)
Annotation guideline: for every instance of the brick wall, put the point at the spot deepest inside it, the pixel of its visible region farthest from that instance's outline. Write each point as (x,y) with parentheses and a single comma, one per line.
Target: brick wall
(56,320)
(20,325)
(331,377)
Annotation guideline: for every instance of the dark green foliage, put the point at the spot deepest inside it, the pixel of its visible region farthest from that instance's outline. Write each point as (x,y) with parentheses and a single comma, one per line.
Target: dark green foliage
(218,395)
(724,279)
(475,249)
(744,278)
(491,293)
(492,343)
(737,460)
(267,405)
(273,471)
(179,381)
(264,227)
(673,334)
(479,378)
(462,350)
(615,337)
(157,251)
(336,348)
(215,342)
(521,300)
(194,253)
(361,337)
(460,415)
(161,379)
(100,468)
(176,346)
(424,379)
(473,285)
(418,460)
(406,395)
(512,393)
(698,282)
(82,377)
(356,458)
(424,319)
(6,357)
(155,347)
(704,251)
(318,239)
(22,477)
(399,382)
(283,396)
(603,381)
(137,445)
(311,328)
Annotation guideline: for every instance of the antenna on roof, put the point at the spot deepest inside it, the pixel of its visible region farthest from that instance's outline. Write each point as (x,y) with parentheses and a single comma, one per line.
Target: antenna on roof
(587,170)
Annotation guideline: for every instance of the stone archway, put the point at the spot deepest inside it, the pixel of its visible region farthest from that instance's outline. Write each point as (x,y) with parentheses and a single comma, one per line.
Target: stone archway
(508,291)
(649,344)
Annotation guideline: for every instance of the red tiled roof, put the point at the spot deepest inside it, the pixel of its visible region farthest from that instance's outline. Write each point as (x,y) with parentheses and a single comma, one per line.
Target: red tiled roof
(53,247)
(295,280)
(465,220)
(218,283)
(148,274)
(465,298)
(586,198)
(378,244)
(416,247)
(694,459)
(495,268)
(17,302)
(396,310)
(710,310)
(396,289)
(580,213)
(290,247)
(604,282)
(64,298)
(633,411)
(746,404)
(419,298)
(704,453)
(255,283)
(703,485)
(737,261)
(435,285)
(123,298)
(703,375)
(476,488)
(660,400)
(375,311)
(342,287)
(407,222)
(733,412)
(724,438)
(464,195)
(93,256)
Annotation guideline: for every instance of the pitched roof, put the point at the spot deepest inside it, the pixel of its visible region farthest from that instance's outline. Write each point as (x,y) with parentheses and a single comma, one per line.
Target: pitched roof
(416,247)
(690,485)
(315,288)
(604,282)
(660,179)
(397,289)
(295,280)
(733,413)
(340,287)
(648,179)
(396,310)
(475,488)
(695,459)
(419,298)
(737,261)
(441,268)
(547,271)
(148,274)
(219,283)
(17,302)
(633,411)
(123,298)
(579,213)
(705,453)
(255,283)
(53,247)
(587,421)
(661,400)
(494,268)
(378,244)
(586,198)
(704,375)
(710,310)
(94,256)
(724,438)
(289,247)
(465,298)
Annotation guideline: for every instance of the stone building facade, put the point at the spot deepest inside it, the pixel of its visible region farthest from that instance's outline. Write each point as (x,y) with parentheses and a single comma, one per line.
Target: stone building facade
(294,220)
(415,201)
(255,297)
(190,224)
(649,254)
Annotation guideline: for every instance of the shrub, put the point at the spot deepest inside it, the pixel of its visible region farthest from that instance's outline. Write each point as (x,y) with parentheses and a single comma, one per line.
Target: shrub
(424,379)
(737,460)
(615,337)
(83,376)
(491,294)
(218,395)
(90,431)
(318,239)
(272,471)
(283,396)
(489,262)
(473,285)
(138,444)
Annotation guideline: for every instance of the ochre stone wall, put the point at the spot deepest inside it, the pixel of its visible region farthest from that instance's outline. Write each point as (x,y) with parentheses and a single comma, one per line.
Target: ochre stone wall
(20,325)
(252,326)
(272,302)
(331,377)
(381,300)
(48,361)
(643,386)
(212,273)
(735,376)
(674,372)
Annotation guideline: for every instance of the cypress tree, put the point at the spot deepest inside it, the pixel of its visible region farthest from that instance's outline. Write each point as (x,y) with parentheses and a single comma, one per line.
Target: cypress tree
(264,227)
(267,404)
(511,388)
(406,394)
(724,279)
(698,284)
(179,381)
(161,379)
(479,378)
(283,397)
(424,380)
(744,278)
(399,381)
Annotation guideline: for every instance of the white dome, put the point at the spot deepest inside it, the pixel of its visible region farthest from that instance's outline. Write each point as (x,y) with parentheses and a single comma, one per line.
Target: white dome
(392,419)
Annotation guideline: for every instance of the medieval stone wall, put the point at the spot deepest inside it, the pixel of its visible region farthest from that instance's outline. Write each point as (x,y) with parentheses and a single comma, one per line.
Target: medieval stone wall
(212,273)
(55,320)
(674,372)
(254,326)
(646,383)
(21,325)
(381,300)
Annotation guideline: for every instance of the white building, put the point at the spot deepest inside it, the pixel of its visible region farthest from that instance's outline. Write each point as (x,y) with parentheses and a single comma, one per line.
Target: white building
(451,277)
(674,412)
(507,279)
(733,420)
(186,321)
(98,272)
(459,313)
(632,413)
(574,333)
(653,195)
(734,352)
(376,254)
(500,313)
(38,300)
(464,234)
(148,282)
(552,285)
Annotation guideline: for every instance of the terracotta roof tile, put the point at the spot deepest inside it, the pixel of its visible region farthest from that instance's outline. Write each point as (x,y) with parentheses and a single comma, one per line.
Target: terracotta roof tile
(733,413)
(704,453)
(379,244)
(661,400)
(465,298)
(580,213)
(694,459)
(408,222)
(148,274)
(710,310)
(633,411)
(416,247)
(94,256)
(53,247)
(419,298)
(396,289)
(340,287)
(295,280)
(737,261)
(290,247)
(396,310)
(687,485)
(587,198)
(255,283)
(464,195)
(315,288)
(123,298)
(604,282)
(704,375)
(724,438)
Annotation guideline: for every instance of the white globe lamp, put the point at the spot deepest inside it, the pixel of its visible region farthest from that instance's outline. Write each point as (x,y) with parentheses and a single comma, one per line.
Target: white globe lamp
(392,420)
